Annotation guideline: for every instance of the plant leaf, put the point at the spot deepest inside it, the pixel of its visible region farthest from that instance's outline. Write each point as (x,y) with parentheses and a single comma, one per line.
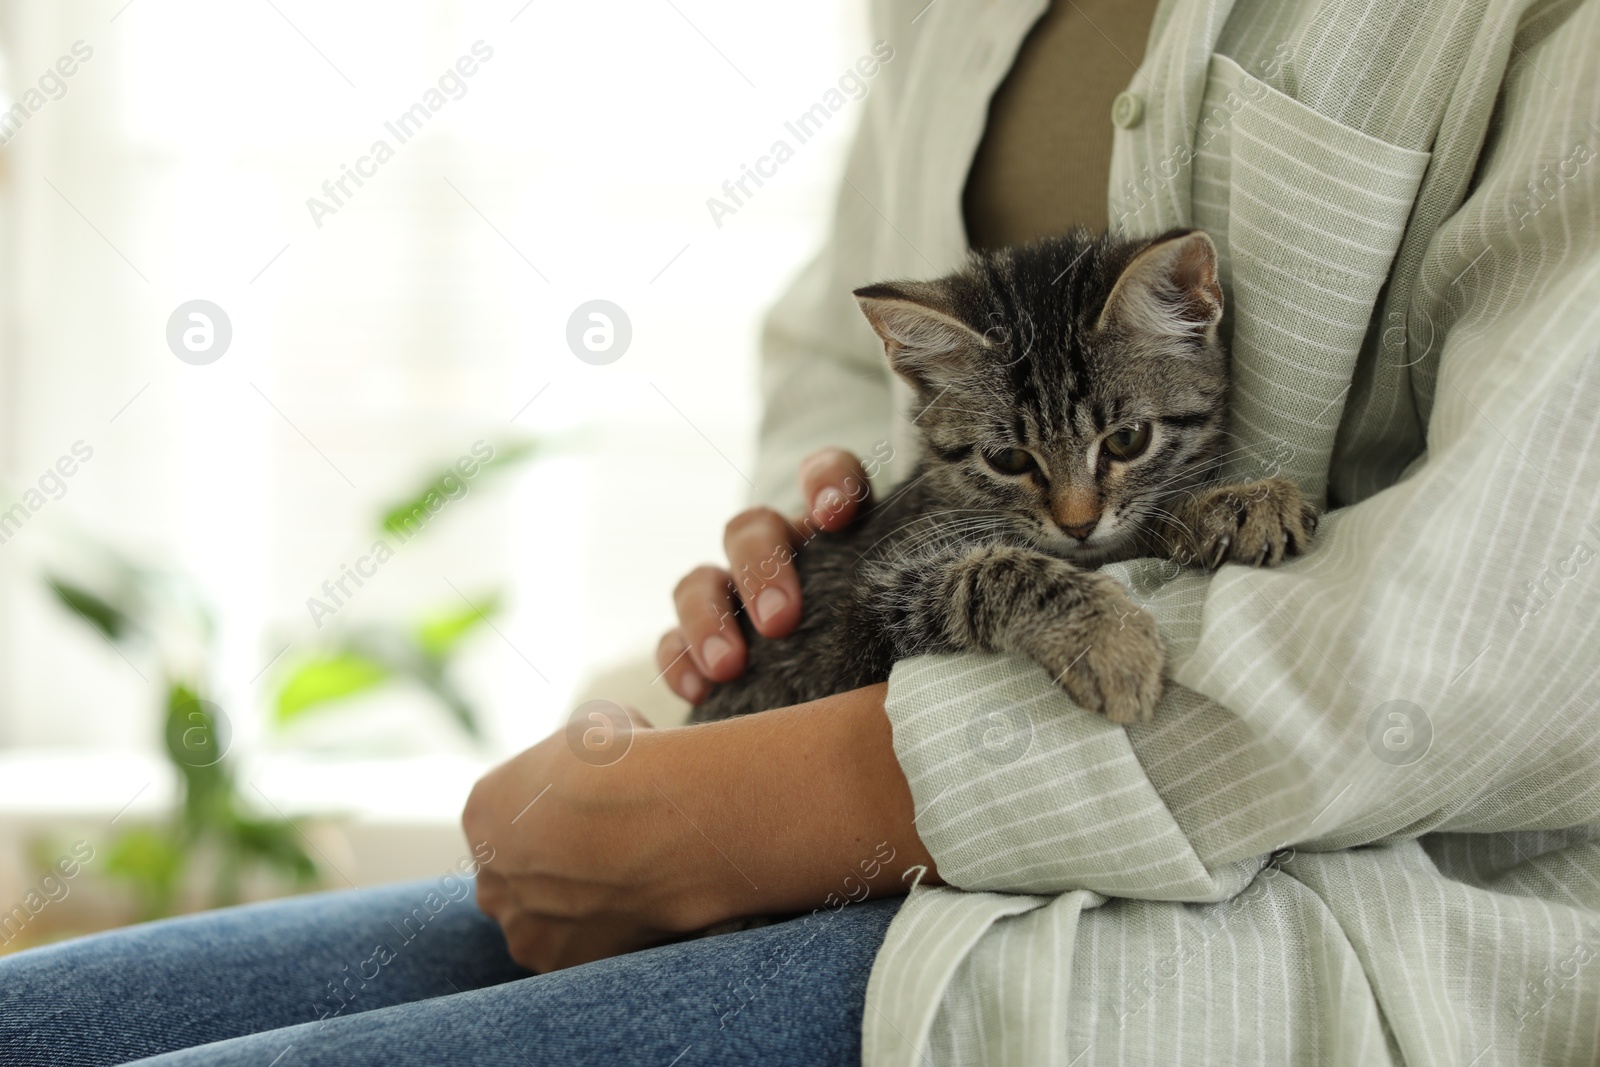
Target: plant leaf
(198,733)
(326,679)
(440,634)
(513,455)
(408,517)
(152,862)
(276,844)
(112,621)
(145,855)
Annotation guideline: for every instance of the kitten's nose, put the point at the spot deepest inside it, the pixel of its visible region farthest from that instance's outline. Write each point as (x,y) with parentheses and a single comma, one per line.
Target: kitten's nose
(1076,509)
(1082,532)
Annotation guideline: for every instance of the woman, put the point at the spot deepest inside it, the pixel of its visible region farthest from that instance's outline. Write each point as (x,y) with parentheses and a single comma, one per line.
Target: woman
(1354,832)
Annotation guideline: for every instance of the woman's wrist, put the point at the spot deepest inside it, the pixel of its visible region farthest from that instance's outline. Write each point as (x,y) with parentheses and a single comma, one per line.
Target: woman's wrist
(786,811)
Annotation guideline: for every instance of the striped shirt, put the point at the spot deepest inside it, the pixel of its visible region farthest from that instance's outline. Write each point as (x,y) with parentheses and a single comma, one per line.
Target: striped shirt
(1364,825)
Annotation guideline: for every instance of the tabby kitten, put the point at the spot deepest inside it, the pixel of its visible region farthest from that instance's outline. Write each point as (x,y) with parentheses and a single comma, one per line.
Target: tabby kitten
(1070,403)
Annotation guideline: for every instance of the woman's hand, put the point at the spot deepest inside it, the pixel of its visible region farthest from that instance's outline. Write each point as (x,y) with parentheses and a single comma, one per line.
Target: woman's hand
(587,860)
(771,814)
(706,645)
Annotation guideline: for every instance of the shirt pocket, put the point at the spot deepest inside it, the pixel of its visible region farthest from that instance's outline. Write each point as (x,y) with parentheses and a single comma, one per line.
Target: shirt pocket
(1307,213)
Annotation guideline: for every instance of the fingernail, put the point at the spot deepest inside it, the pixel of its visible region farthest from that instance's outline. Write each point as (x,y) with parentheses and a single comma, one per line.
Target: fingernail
(828,503)
(771,601)
(695,688)
(714,650)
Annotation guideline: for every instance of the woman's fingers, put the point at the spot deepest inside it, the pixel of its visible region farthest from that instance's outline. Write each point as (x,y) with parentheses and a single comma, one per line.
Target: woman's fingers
(835,486)
(678,669)
(493,893)
(707,647)
(706,606)
(760,547)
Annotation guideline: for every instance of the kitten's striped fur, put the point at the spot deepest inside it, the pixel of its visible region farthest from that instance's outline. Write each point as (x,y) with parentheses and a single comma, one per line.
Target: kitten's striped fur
(1058,351)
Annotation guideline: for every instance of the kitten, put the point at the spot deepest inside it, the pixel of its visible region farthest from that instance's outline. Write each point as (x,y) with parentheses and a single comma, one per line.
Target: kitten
(1070,399)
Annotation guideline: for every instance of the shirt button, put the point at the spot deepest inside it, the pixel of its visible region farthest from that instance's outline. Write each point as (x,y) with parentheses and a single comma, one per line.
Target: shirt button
(1127,110)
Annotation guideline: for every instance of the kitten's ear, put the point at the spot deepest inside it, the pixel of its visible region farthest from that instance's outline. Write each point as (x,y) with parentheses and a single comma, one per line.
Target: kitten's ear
(926,344)
(1169,290)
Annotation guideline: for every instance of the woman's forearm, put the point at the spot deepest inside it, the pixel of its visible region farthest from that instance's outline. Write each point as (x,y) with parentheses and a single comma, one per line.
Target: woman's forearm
(806,805)
(782,812)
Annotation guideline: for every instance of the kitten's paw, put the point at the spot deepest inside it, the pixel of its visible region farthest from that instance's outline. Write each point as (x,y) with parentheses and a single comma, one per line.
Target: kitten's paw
(1259,524)
(1105,653)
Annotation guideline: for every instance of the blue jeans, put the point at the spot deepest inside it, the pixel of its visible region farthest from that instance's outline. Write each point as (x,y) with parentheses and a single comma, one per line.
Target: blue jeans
(415,974)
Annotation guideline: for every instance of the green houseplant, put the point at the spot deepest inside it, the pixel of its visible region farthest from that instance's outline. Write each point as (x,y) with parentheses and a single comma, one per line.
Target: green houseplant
(161,618)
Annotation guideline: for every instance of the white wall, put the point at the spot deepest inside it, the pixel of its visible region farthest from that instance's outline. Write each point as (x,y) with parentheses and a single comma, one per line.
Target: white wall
(413,322)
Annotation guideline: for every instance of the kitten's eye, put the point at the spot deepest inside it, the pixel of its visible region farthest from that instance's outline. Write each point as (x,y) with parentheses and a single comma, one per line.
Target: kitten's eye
(1129,441)
(1010,460)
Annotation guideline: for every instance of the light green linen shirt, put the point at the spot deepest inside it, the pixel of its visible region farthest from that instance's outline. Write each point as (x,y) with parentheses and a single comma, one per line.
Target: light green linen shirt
(1358,830)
